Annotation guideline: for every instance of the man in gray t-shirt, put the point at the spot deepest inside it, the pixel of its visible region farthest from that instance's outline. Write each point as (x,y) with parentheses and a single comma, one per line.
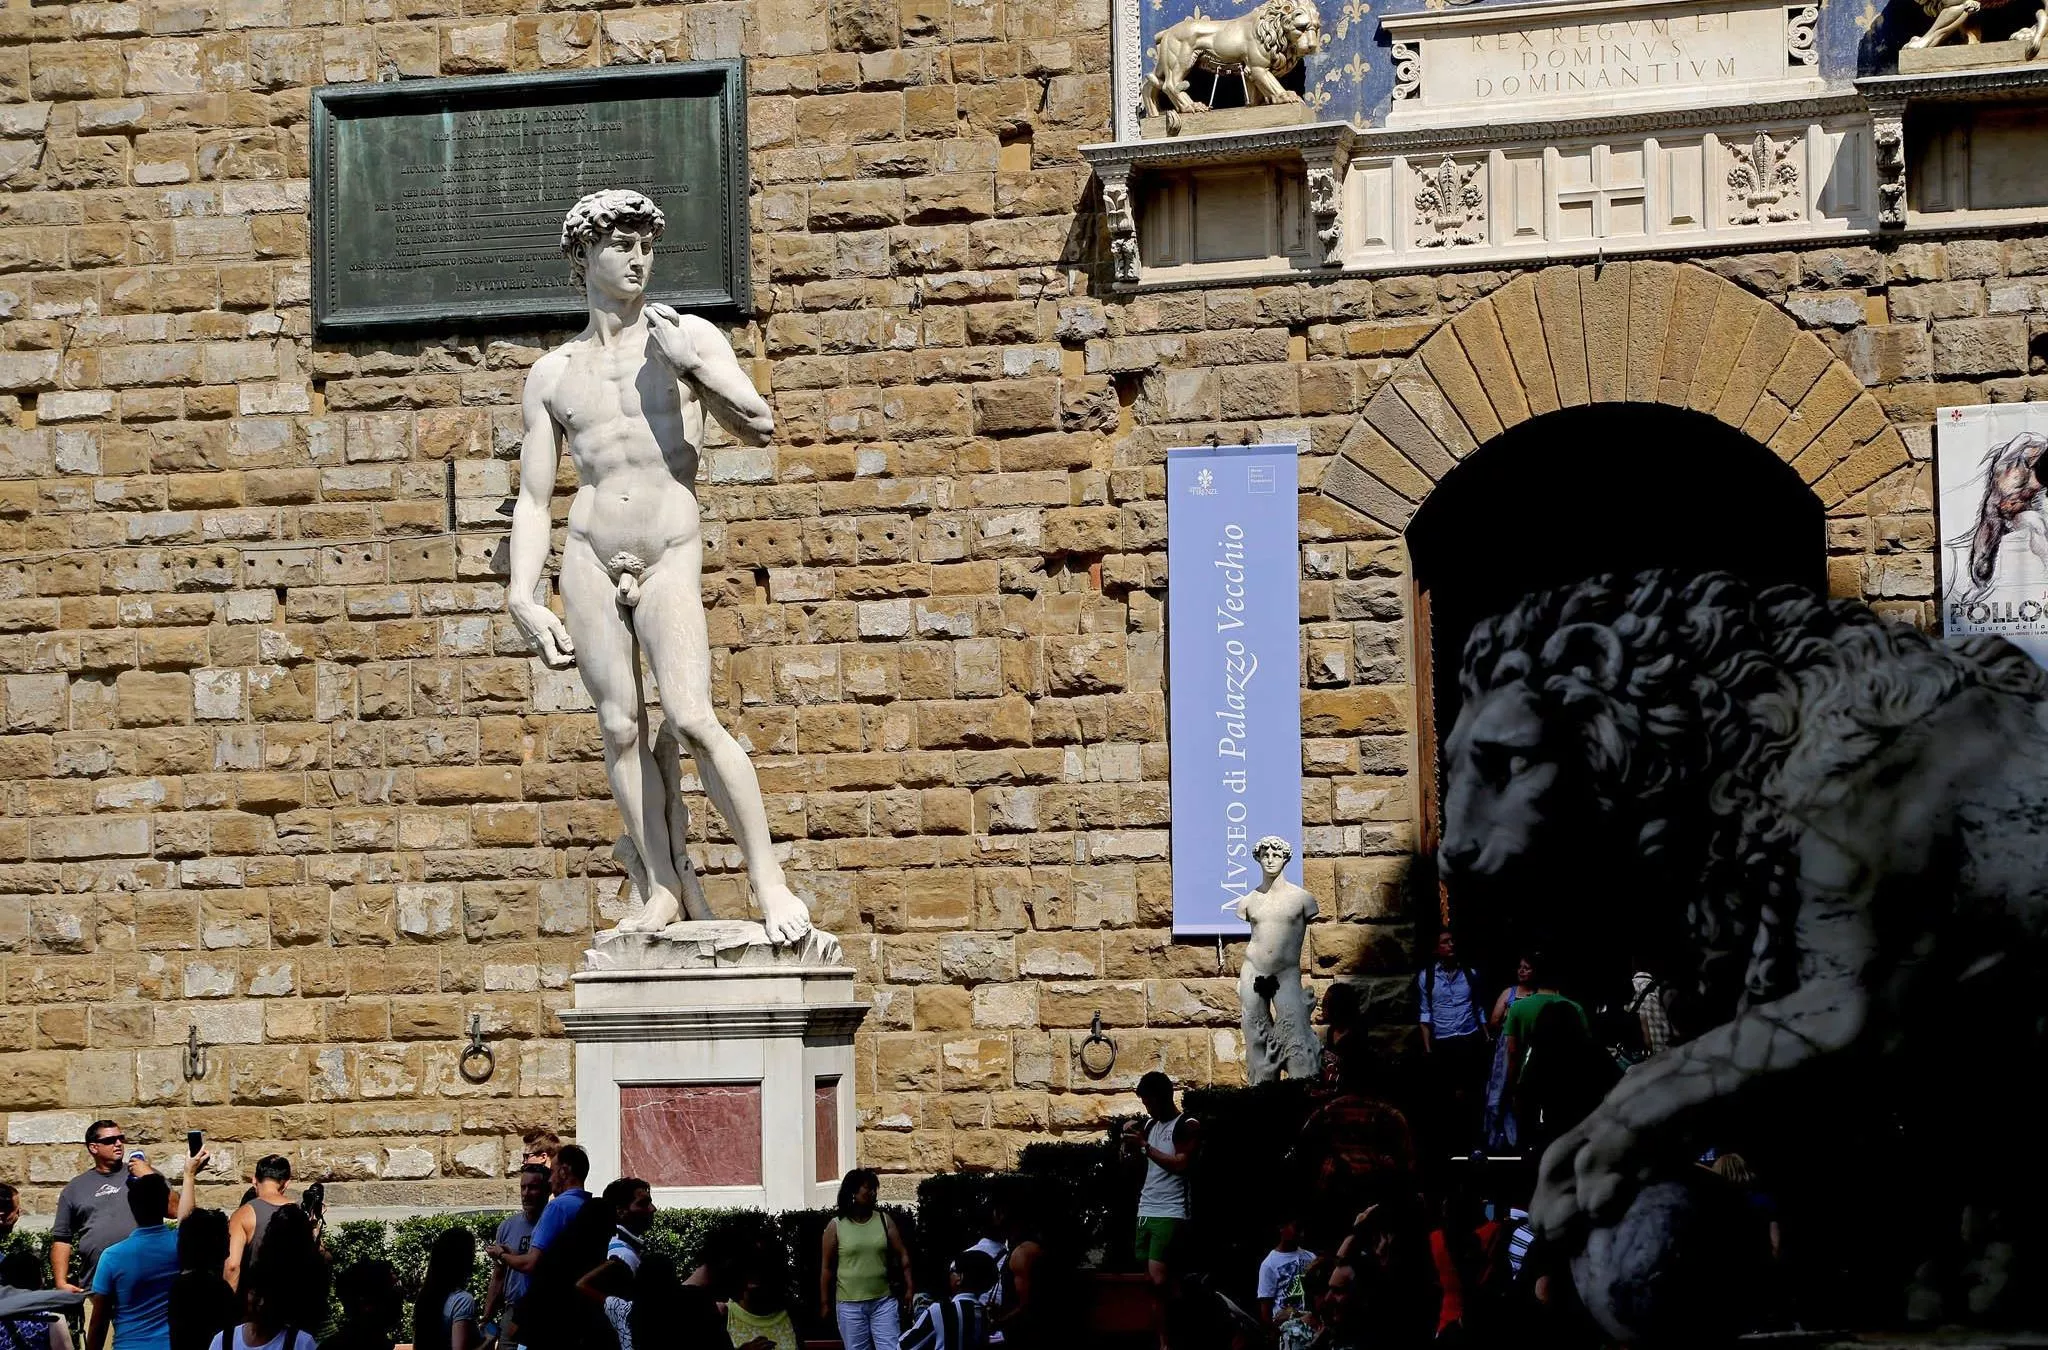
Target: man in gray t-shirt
(92,1212)
(515,1238)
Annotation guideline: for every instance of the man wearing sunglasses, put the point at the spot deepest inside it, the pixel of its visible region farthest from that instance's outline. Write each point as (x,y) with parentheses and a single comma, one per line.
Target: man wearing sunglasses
(92,1213)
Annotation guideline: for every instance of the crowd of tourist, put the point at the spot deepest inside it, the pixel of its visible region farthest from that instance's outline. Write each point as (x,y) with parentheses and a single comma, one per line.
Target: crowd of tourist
(152,1270)
(1381,1239)
(1406,1223)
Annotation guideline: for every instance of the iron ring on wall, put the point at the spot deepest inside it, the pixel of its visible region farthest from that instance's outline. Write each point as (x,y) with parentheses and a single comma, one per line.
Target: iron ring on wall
(1095,1038)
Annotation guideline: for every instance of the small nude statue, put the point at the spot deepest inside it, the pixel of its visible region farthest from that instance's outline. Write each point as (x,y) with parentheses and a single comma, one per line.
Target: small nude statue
(1275,1009)
(627,398)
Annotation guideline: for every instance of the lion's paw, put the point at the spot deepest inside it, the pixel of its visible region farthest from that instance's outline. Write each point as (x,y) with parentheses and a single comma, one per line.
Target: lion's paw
(1585,1177)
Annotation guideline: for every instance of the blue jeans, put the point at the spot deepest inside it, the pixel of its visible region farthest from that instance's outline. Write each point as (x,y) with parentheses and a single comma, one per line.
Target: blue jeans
(873,1325)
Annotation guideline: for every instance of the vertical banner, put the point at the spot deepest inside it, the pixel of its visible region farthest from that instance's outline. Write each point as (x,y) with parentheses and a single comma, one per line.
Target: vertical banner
(1233,640)
(1994,522)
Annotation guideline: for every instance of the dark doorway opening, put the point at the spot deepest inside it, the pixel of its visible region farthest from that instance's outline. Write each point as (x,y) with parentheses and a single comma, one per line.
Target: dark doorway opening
(1615,487)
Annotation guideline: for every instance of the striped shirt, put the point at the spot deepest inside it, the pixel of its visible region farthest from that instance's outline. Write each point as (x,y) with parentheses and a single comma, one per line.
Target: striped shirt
(1519,1240)
(959,1323)
(625,1249)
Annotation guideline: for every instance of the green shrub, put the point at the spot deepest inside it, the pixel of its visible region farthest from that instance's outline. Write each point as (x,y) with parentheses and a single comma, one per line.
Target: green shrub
(356,1241)
(37,1243)
(1104,1197)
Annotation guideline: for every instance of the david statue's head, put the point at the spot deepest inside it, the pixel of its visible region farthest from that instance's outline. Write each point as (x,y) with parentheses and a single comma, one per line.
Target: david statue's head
(1272,854)
(608,238)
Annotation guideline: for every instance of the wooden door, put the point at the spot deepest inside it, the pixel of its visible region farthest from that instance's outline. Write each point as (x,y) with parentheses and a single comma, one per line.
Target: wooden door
(1429,813)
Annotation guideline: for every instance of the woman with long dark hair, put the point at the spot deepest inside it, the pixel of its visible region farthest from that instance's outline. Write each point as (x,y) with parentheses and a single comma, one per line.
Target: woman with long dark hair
(862,1247)
(202,1303)
(284,1290)
(444,1316)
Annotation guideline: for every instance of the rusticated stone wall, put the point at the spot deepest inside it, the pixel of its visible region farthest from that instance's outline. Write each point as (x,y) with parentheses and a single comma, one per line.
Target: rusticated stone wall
(273,765)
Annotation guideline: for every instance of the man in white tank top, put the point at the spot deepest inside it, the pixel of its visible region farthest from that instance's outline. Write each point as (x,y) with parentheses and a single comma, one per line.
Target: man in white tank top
(1168,1141)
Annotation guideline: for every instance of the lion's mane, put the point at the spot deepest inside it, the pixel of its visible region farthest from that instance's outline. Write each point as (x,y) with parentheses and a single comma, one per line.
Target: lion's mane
(1271,23)
(1707,713)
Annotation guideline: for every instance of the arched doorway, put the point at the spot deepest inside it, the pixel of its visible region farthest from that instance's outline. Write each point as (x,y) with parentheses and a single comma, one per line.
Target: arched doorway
(1608,487)
(1654,373)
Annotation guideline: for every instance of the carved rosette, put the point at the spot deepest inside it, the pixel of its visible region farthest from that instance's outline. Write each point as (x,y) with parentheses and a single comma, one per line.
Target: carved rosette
(1763,181)
(1123,227)
(1888,136)
(1800,22)
(1450,205)
(1325,194)
(1407,69)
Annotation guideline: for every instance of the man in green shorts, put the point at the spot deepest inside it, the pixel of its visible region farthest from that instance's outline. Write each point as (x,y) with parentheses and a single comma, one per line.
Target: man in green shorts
(1168,1141)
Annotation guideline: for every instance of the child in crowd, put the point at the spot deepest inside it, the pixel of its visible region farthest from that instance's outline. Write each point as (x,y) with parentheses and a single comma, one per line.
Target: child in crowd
(959,1322)
(759,1318)
(1280,1295)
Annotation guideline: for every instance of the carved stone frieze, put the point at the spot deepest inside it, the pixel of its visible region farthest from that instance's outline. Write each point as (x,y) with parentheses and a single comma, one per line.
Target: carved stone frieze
(1763,181)
(1127,76)
(1325,201)
(1407,69)
(1888,137)
(1123,226)
(1450,205)
(1800,22)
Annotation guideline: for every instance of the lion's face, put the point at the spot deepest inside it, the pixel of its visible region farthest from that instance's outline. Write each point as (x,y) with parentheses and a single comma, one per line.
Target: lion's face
(1504,785)
(1304,29)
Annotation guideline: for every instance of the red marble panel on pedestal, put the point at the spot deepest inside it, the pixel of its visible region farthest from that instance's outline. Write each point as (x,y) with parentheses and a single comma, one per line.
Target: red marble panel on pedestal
(825,1123)
(691,1134)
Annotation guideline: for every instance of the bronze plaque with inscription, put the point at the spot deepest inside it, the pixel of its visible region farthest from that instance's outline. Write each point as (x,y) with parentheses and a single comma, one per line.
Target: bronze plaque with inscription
(439,203)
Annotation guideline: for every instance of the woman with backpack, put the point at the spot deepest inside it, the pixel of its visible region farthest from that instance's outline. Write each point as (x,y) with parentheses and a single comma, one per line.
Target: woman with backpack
(865,1262)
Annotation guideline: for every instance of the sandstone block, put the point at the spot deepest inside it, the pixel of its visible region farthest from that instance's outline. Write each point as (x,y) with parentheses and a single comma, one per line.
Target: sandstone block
(1979,347)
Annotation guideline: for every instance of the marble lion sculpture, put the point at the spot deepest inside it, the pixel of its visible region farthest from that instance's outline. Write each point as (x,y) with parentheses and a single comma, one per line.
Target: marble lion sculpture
(1829,821)
(1266,45)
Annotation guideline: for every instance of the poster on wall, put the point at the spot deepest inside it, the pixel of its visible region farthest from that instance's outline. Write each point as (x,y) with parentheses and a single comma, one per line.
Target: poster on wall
(1233,639)
(1993,519)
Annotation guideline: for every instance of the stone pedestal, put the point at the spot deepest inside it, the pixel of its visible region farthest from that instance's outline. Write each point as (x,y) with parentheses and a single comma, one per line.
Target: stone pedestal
(716,1066)
(1962,56)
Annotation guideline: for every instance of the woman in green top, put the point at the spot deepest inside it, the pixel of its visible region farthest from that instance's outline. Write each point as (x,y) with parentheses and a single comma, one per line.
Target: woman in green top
(860,1247)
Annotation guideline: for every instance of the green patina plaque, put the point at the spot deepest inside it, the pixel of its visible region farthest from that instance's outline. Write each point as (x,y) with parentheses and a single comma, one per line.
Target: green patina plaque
(439,203)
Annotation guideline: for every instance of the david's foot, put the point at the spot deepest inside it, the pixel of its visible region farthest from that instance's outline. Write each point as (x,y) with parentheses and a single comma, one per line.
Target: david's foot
(657,914)
(785,917)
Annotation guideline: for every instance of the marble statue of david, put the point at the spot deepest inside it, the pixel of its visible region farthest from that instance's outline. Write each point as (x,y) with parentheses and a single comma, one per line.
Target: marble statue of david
(627,398)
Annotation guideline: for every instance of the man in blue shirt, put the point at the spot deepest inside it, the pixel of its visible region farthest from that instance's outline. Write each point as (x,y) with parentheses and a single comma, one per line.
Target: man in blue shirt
(572,1169)
(131,1285)
(1455,1043)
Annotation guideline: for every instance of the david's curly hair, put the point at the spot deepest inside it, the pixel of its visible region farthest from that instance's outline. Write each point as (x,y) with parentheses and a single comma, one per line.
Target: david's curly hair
(598,214)
(1706,714)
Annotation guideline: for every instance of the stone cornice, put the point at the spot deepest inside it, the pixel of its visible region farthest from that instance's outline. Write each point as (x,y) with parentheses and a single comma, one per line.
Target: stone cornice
(1998,84)
(810,1021)
(1492,16)
(1321,138)
(1401,140)
(1339,138)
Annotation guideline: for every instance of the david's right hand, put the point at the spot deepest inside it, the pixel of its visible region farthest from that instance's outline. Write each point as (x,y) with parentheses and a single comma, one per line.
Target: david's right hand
(549,638)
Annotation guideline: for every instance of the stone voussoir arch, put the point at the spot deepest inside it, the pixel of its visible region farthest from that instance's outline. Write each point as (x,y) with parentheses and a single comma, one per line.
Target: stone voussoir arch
(1633,332)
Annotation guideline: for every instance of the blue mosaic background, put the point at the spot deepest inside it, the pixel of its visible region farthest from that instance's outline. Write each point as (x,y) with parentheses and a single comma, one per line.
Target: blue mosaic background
(1353,76)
